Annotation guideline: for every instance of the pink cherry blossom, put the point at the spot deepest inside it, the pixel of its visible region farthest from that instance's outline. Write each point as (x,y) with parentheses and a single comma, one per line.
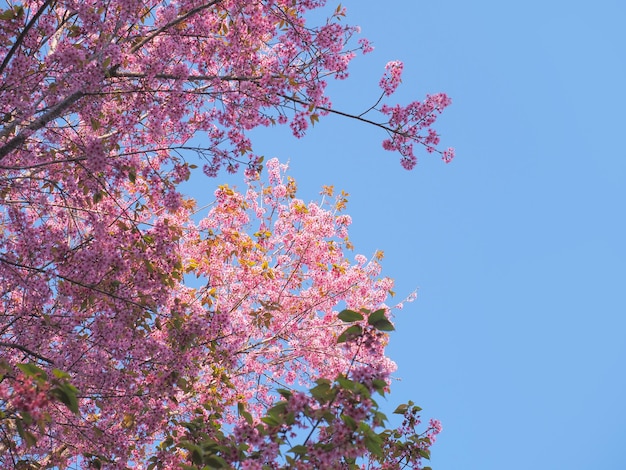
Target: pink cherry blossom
(392,78)
(137,322)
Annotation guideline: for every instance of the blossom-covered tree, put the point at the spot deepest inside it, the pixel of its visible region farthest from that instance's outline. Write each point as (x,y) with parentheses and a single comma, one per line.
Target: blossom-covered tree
(138,331)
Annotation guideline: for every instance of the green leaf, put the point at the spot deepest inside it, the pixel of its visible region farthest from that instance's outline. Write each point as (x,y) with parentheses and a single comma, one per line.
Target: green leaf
(27,419)
(298,450)
(182,384)
(195,451)
(425,453)
(29,438)
(327,416)
(323,382)
(400,410)
(373,442)
(59,374)
(215,462)
(349,334)
(384,325)
(379,418)
(379,385)
(7,15)
(346,383)
(244,414)
(350,422)
(279,408)
(270,420)
(350,316)
(196,455)
(31,370)
(166,443)
(376,316)
(378,320)
(20,428)
(66,394)
(285,393)
(323,392)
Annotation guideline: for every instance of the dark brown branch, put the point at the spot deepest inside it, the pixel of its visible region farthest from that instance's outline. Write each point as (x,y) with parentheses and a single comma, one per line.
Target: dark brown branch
(27,351)
(75,282)
(172,23)
(42,164)
(190,78)
(341,113)
(40,122)
(23,34)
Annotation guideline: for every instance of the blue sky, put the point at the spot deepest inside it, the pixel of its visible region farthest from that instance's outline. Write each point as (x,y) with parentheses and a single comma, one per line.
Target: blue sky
(517,339)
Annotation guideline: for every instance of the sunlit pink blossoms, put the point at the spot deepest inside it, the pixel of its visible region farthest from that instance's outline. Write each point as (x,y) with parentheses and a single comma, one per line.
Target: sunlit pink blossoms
(137,330)
(413,124)
(271,272)
(392,78)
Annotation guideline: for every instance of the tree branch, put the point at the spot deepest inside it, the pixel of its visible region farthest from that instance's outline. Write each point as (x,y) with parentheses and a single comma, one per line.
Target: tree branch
(78,283)
(341,113)
(174,22)
(22,35)
(39,123)
(190,78)
(27,351)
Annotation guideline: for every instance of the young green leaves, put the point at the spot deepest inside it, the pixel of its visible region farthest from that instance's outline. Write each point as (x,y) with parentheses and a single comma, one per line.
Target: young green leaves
(376,320)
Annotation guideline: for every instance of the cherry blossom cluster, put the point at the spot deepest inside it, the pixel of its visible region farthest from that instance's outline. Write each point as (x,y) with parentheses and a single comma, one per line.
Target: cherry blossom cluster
(412,124)
(132,78)
(24,395)
(392,78)
(144,349)
(160,317)
(334,426)
(409,448)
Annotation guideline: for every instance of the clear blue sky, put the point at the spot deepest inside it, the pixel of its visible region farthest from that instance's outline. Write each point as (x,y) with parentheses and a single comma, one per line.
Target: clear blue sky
(517,341)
